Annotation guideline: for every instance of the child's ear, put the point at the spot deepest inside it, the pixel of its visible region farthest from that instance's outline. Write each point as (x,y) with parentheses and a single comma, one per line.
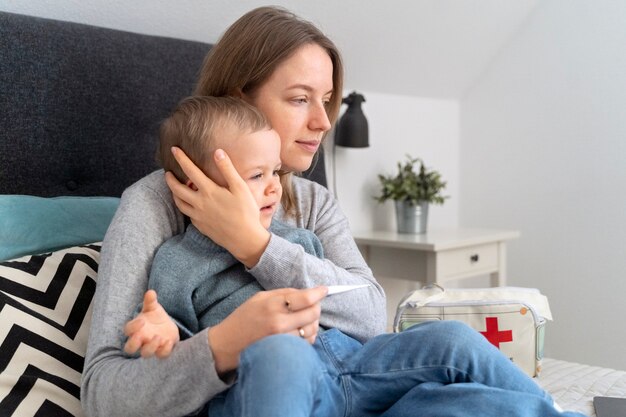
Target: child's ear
(191,185)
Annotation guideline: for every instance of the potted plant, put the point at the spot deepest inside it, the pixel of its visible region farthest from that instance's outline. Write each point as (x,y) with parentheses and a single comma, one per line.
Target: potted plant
(412,191)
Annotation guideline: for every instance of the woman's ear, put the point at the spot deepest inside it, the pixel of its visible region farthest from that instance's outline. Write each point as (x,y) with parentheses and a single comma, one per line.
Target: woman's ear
(191,185)
(238,93)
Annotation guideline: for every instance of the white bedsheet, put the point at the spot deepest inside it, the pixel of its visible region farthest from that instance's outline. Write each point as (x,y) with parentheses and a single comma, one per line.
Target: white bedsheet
(573,385)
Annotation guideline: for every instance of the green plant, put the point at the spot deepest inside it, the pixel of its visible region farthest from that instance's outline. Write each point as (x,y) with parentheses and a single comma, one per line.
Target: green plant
(419,186)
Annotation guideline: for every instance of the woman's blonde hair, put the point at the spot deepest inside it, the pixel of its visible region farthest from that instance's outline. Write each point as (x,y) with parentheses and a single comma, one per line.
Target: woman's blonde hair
(194,125)
(250,51)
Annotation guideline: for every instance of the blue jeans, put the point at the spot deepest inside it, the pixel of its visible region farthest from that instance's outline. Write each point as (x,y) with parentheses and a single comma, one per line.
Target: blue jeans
(431,370)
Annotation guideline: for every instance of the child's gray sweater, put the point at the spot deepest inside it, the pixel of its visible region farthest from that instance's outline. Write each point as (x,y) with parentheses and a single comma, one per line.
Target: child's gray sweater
(199,283)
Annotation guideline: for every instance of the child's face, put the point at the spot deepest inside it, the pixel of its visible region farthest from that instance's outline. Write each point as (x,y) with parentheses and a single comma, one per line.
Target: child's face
(256,157)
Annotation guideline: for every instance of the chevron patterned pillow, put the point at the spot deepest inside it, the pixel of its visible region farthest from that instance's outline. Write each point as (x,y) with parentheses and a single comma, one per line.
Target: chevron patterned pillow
(45,311)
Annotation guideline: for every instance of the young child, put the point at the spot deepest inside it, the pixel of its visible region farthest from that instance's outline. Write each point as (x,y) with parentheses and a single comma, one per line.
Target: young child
(198,282)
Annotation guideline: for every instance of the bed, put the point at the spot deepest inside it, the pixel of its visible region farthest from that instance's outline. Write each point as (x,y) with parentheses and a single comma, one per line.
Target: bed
(574,385)
(79,112)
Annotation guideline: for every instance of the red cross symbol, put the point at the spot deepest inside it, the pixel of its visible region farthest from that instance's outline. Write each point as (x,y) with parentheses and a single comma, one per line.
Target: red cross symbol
(495,336)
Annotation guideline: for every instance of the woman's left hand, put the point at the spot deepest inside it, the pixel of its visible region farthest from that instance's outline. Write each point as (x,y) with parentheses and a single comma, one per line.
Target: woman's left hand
(228,215)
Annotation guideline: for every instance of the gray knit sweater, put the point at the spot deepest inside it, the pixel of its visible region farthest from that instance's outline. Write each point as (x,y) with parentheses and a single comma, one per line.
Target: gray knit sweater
(115,385)
(199,283)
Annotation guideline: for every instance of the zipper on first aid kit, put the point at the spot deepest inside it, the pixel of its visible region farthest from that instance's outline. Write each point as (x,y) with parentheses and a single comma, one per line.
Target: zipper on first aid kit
(479,302)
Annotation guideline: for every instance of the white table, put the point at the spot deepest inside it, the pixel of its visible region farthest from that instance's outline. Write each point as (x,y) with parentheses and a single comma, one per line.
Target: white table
(437,255)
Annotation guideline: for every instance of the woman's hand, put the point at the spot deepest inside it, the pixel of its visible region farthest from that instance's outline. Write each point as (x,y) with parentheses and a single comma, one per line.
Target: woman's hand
(228,215)
(284,310)
(152,331)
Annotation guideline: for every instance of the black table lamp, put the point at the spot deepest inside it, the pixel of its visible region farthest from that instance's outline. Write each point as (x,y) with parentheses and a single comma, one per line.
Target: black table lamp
(352,130)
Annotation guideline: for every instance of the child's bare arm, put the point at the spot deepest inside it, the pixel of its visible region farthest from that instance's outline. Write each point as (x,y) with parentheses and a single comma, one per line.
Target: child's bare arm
(152,332)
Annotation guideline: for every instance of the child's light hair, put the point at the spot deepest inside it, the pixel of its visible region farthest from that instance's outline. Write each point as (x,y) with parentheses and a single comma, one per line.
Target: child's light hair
(194,125)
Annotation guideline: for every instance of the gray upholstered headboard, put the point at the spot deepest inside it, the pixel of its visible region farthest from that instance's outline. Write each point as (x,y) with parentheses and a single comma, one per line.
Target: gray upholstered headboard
(80,105)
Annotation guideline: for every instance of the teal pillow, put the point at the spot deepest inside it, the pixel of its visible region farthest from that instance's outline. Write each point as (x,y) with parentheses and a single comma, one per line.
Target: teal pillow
(30,225)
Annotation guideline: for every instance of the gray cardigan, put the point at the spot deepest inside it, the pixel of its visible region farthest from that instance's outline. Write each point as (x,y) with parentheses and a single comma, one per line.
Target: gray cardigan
(199,283)
(114,384)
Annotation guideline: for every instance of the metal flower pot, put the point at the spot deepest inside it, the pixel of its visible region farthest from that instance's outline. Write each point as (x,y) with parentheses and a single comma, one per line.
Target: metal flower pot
(411,218)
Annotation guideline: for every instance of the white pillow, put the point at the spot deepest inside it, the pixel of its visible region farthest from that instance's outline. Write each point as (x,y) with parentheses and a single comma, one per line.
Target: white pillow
(45,312)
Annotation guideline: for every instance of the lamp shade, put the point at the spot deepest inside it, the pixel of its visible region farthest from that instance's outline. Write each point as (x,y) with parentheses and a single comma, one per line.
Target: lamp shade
(352,130)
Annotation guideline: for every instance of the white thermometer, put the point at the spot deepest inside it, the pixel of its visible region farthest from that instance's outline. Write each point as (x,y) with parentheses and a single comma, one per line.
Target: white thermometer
(336,289)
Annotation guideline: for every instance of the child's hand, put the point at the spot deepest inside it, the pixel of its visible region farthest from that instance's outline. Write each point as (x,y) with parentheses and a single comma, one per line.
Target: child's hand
(152,331)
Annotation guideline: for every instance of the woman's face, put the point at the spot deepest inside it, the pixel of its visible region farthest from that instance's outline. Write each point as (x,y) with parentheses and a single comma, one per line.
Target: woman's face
(294,100)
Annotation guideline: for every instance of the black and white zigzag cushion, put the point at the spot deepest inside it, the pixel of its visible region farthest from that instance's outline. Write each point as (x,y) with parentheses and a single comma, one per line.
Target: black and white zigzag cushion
(45,312)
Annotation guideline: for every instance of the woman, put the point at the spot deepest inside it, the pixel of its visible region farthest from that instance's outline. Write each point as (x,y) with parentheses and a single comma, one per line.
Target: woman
(242,63)
(292,73)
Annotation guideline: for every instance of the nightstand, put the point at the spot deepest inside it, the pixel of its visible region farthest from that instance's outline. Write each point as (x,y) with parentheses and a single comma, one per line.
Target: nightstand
(437,256)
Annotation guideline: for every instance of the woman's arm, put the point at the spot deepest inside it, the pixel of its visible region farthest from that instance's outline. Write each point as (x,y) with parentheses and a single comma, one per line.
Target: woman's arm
(113,383)
(275,263)
(360,313)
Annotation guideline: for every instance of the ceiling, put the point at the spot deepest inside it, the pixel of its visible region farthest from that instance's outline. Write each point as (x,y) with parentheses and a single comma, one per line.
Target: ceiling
(430,48)
(426,48)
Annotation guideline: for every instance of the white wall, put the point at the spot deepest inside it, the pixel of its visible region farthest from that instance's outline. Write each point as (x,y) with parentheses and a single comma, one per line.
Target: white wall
(184,19)
(398,125)
(543,150)
(421,127)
